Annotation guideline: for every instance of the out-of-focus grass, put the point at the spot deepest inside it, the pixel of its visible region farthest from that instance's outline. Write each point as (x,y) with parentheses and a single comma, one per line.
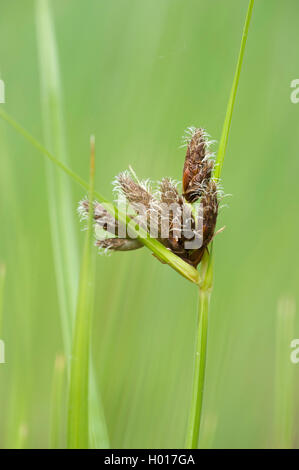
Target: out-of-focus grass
(136,74)
(78,404)
(58,403)
(284,375)
(61,214)
(22,436)
(17,311)
(2,284)
(59,192)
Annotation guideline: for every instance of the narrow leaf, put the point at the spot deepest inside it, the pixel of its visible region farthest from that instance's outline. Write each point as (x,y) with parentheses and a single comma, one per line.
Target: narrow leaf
(78,423)
(57,402)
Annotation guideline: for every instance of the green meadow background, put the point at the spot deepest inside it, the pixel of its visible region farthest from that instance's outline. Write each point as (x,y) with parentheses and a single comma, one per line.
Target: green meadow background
(137,73)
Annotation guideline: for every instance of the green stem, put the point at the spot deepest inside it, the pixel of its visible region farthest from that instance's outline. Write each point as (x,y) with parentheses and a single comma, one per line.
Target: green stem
(42,149)
(205,285)
(205,289)
(199,371)
(79,393)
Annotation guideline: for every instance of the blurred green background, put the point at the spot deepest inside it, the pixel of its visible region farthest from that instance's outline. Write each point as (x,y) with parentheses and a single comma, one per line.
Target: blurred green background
(136,73)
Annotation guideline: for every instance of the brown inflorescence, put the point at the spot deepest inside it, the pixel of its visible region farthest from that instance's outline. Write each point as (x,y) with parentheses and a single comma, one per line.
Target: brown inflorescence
(152,210)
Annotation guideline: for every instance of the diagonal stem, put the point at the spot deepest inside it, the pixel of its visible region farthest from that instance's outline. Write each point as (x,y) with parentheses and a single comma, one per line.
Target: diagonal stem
(183,268)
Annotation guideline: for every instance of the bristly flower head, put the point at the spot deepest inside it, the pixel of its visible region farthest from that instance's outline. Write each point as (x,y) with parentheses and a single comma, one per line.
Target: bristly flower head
(198,165)
(172,218)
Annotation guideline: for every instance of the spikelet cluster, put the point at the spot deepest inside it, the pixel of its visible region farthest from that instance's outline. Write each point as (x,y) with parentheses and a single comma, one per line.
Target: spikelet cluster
(156,208)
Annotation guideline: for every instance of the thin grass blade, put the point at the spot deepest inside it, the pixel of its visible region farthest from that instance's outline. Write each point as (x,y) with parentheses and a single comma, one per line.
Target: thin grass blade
(199,371)
(232,98)
(59,192)
(78,422)
(284,375)
(60,198)
(156,247)
(206,282)
(2,285)
(57,402)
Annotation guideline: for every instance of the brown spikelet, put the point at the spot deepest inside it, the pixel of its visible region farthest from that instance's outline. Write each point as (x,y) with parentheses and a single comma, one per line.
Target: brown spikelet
(101,216)
(197,168)
(210,205)
(171,198)
(119,244)
(169,192)
(210,211)
(134,192)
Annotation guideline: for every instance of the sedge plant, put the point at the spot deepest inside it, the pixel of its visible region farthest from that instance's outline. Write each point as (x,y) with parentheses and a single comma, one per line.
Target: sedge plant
(167,252)
(207,268)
